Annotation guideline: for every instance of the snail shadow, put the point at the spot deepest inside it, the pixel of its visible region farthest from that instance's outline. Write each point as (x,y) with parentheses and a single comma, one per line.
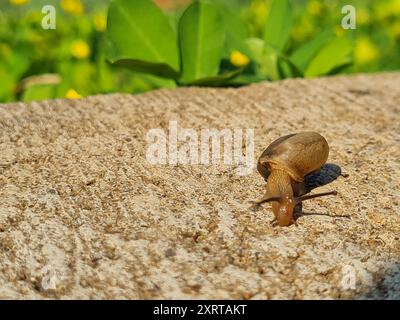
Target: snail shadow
(329,172)
(298,213)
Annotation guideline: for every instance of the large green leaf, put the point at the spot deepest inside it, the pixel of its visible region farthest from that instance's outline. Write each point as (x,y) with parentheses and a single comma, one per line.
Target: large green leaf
(333,55)
(235,32)
(138,31)
(201,36)
(303,55)
(278,25)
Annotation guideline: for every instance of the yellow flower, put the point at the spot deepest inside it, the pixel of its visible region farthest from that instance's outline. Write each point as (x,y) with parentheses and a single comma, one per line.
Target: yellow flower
(314,7)
(18,2)
(238,59)
(80,49)
(74,7)
(72,94)
(365,51)
(100,22)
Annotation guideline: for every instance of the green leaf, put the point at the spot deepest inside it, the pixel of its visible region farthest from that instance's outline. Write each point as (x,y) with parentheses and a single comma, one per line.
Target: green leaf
(333,55)
(7,84)
(156,82)
(140,33)
(159,69)
(201,36)
(302,56)
(39,92)
(287,68)
(269,66)
(278,25)
(217,81)
(256,47)
(235,32)
(266,58)
(18,63)
(244,79)
(142,82)
(78,75)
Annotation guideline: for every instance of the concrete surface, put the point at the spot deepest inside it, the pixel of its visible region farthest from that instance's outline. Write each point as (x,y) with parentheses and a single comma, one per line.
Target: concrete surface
(83,214)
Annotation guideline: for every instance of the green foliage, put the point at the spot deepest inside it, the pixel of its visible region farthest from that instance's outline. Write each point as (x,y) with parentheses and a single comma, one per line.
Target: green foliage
(39,92)
(236,32)
(211,33)
(278,26)
(333,55)
(141,38)
(303,55)
(201,36)
(148,44)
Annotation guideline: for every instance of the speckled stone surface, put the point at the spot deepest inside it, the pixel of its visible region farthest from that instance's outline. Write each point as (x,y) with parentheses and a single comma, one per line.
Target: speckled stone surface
(83,214)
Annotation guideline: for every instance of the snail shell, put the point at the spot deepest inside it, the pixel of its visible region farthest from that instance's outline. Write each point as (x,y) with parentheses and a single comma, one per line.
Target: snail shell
(298,154)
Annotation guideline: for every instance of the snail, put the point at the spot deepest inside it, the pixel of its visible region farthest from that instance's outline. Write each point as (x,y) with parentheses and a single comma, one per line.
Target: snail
(284,165)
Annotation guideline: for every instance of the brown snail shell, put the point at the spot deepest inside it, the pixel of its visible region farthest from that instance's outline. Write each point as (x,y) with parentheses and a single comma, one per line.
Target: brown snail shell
(297,154)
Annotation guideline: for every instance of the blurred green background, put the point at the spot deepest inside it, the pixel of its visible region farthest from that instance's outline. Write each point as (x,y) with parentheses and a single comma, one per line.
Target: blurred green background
(70,61)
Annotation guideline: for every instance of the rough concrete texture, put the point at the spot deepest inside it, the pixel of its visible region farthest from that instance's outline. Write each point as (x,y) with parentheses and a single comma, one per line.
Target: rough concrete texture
(83,214)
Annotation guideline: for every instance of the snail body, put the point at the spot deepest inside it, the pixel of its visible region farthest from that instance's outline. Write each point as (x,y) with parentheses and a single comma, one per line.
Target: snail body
(284,164)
